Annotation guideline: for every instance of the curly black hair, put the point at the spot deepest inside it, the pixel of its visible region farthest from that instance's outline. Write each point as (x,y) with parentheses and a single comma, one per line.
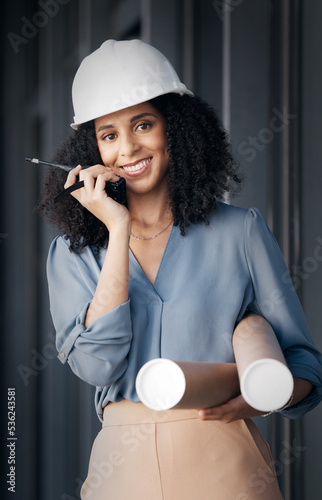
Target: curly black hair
(201,170)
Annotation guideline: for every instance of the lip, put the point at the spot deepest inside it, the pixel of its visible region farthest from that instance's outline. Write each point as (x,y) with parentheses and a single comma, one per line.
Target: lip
(136,162)
(137,172)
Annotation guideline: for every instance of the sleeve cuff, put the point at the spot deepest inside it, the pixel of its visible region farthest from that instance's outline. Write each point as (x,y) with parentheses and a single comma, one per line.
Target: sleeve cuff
(95,329)
(311,401)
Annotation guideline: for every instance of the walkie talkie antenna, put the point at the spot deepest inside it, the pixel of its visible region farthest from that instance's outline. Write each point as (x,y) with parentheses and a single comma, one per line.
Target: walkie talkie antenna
(67,168)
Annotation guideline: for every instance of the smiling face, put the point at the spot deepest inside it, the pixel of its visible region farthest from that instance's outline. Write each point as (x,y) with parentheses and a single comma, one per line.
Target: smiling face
(133,143)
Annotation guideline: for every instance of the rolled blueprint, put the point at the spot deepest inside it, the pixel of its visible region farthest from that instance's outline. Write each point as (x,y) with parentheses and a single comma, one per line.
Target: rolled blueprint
(162,384)
(266,383)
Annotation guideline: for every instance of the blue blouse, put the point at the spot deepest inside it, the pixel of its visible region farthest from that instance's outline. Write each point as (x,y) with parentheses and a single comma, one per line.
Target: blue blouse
(206,281)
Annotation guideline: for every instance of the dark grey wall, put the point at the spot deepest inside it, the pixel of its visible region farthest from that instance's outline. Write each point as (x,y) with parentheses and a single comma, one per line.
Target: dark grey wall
(310,265)
(247,61)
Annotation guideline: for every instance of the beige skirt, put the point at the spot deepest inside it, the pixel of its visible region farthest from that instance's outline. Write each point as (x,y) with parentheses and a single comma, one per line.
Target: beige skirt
(141,454)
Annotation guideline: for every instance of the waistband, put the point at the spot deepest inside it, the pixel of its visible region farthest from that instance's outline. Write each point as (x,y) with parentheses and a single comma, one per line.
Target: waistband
(127,413)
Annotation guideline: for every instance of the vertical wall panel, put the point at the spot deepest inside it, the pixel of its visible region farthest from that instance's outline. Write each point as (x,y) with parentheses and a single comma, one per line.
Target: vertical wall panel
(19,321)
(208,28)
(309,270)
(164,29)
(249,99)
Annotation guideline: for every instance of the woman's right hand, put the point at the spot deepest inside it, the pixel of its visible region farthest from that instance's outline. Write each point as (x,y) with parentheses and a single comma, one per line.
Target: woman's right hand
(94,197)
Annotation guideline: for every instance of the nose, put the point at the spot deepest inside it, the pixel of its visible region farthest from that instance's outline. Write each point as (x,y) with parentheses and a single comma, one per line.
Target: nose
(128,145)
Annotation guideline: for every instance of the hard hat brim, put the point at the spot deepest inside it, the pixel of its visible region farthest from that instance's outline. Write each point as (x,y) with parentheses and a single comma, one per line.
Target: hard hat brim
(76,126)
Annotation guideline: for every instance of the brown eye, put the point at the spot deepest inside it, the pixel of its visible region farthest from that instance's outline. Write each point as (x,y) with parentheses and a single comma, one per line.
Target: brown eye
(143,126)
(109,137)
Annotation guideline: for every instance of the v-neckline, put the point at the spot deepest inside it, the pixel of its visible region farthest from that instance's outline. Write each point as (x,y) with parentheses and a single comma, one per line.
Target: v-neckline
(138,265)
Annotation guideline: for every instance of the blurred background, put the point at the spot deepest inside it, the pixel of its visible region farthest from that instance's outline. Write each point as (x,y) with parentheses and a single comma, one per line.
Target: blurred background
(258,62)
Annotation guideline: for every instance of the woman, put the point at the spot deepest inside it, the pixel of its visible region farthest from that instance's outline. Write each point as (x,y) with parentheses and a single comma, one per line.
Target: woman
(168,274)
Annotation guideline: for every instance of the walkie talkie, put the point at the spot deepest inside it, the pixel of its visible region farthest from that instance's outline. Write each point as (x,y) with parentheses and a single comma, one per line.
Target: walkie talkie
(115,190)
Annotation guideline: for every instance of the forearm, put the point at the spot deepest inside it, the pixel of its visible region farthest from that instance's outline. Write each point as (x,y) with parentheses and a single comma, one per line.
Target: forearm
(302,388)
(112,287)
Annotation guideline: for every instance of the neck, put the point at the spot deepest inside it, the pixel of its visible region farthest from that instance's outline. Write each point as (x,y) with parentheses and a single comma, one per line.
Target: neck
(149,210)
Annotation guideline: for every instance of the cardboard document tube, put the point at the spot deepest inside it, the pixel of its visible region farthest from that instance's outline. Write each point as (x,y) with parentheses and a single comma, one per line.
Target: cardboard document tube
(162,384)
(266,383)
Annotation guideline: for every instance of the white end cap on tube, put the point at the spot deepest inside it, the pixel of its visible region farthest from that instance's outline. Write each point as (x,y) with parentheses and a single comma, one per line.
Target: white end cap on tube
(160,384)
(267,384)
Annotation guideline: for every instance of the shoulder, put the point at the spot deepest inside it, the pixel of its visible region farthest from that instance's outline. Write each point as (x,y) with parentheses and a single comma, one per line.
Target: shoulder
(235,218)
(228,212)
(59,245)
(67,267)
(230,228)
(63,244)
(233,226)
(59,255)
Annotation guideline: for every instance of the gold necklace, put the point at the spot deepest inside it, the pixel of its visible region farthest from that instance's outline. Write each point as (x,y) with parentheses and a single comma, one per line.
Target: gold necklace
(151,237)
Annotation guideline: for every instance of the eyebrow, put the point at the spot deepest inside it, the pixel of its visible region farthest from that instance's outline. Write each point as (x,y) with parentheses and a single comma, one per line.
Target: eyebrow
(142,115)
(136,117)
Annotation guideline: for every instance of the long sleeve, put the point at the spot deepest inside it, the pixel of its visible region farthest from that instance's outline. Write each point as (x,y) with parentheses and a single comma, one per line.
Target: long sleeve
(97,354)
(276,300)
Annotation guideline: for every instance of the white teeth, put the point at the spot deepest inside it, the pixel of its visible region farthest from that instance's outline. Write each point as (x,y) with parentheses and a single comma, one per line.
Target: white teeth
(138,166)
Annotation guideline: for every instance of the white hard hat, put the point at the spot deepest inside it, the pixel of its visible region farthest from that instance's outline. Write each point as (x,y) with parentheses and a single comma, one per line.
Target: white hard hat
(121,74)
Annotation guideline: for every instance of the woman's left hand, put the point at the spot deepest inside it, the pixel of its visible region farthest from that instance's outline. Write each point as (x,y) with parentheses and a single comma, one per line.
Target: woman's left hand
(237,408)
(234,409)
